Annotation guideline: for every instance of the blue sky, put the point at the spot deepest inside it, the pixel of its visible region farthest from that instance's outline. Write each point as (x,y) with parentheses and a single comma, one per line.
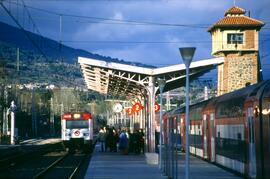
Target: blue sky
(156,43)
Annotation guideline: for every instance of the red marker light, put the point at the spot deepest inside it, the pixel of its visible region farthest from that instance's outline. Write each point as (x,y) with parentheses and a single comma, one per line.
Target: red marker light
(87,116)
(67,116)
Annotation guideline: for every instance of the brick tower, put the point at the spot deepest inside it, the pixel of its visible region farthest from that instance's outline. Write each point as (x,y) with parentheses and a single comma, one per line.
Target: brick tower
(236,38)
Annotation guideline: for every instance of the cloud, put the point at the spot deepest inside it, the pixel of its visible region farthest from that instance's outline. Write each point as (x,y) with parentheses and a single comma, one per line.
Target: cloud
(204,12)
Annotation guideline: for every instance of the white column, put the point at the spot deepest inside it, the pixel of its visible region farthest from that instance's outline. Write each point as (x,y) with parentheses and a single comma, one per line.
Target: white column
(52,117)
(12,122)
(5,113)
(151,102)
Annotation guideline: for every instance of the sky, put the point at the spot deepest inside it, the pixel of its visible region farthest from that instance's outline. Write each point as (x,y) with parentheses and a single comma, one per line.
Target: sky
(145,31)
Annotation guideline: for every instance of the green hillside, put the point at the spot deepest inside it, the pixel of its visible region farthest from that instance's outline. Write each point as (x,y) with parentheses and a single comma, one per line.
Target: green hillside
(34,68)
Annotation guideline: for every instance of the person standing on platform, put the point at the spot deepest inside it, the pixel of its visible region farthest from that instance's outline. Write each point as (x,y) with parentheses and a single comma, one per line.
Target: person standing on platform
(102,139)
(115,140)
(141,141)
(110,139)
(123,143)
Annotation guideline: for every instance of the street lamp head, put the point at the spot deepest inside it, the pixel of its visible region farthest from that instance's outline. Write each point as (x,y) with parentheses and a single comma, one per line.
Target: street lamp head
(187,54)
(161,83)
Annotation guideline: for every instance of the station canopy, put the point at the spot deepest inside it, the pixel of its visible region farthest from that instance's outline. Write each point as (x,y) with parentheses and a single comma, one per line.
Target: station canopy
(120,79)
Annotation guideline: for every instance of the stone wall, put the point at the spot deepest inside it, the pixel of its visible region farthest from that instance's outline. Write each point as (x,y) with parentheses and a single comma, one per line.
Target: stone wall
(238,70)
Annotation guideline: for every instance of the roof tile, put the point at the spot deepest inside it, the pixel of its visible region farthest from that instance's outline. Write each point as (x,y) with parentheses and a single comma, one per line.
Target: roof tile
(236,19)
(235,10)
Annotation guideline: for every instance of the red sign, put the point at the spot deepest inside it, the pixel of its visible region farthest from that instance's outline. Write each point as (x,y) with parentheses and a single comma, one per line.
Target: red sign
(137,107)
(129,111)
(157,107)
(77,133)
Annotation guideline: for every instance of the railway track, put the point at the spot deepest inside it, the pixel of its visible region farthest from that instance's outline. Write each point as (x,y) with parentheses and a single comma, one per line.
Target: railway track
(66,166)
(25,154)
(51,164)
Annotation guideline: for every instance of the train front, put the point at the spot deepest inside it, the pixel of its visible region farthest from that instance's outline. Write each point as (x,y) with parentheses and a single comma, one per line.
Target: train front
(77,131)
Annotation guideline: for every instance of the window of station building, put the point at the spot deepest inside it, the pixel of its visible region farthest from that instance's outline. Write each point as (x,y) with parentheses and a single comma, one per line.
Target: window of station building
(236,38)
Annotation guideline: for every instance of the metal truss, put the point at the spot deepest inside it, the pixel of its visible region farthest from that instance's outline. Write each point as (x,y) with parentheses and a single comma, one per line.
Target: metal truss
(131,81)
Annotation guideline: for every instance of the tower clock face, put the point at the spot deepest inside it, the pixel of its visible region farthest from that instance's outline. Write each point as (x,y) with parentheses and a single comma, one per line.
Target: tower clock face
(117,107)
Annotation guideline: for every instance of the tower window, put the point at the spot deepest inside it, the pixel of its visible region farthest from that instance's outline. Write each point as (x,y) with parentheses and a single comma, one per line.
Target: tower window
(235,38)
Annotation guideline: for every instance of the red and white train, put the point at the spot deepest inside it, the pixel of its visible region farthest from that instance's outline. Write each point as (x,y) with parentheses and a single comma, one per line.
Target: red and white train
(77,131)
(232,130)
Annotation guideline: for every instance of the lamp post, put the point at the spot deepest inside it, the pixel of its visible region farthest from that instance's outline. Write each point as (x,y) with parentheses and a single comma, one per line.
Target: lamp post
(161,84)
(187,55)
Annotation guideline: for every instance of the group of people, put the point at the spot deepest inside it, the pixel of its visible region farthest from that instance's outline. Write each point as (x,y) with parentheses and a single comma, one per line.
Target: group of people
(121,140)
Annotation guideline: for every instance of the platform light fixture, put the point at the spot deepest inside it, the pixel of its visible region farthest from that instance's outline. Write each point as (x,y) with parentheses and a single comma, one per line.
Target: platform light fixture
(187,54)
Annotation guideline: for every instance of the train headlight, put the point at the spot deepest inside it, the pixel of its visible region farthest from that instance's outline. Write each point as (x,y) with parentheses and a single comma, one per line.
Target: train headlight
(76,116)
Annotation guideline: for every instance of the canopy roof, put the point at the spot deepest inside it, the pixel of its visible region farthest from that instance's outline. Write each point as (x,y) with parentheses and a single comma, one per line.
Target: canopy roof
(130,81)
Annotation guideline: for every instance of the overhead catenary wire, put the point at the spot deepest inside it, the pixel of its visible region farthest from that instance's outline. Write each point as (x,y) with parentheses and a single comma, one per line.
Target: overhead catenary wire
(40,42)
(120,21)
(144,42)
(24,31)
(102,20)
(32,40)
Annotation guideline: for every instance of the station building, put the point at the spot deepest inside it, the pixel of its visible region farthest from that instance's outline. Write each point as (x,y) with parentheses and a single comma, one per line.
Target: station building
(236,38)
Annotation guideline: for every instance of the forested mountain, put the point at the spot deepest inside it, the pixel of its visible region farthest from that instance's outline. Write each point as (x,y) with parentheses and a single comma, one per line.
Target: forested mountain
(51,48)
(58,67)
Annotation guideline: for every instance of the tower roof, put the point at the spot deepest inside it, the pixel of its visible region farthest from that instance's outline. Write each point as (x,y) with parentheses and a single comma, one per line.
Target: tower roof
(235,10)
(235,17)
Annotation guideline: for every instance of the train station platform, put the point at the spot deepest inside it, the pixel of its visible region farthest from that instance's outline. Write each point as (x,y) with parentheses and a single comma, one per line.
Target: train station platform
(113,165)
(200,169)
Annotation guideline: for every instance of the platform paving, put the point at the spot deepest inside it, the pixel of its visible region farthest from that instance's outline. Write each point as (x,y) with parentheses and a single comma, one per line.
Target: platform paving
(200,169)
(111,165)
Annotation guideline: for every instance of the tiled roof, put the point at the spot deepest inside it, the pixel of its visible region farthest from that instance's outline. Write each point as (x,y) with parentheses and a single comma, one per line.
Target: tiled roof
(235,10)
(236,19)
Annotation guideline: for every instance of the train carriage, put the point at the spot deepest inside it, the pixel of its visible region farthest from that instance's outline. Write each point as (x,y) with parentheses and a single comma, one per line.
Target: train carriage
(261,131)
(77,131)
(232,130)
(195,129)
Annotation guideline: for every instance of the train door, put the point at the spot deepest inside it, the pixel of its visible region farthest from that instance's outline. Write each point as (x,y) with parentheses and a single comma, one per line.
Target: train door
(251,144)
(182,132)
(212,132)
(205,136)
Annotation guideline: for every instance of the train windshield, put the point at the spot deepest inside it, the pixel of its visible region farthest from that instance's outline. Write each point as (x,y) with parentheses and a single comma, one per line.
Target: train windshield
(78,124)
